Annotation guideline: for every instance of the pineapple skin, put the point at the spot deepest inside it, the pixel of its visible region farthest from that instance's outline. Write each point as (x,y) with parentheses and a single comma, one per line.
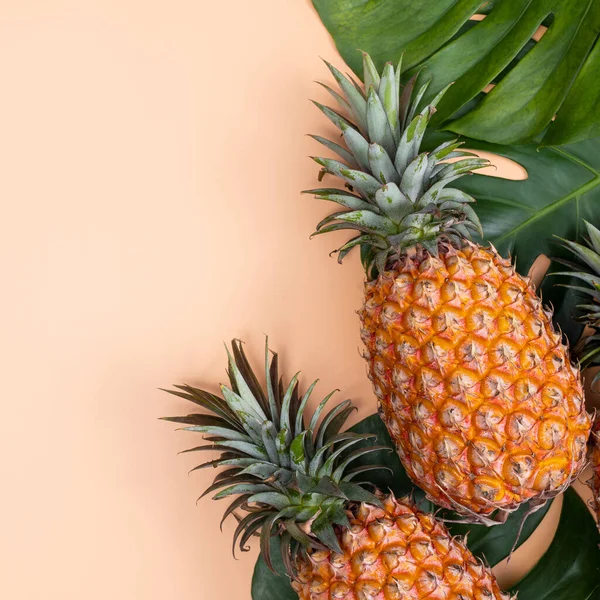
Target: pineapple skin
(395,553)
(474,384)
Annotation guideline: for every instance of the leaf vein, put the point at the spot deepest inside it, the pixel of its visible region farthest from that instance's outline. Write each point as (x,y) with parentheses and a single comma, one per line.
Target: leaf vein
(506,202)
(586,187)
(575,159)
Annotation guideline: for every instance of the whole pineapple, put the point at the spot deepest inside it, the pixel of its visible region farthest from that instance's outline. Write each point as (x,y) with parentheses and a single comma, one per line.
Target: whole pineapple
(295,480)
(474,383)
(587,269)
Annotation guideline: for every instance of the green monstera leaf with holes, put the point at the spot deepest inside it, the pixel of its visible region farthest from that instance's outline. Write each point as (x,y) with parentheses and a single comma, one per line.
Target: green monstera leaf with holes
(558,75)
(570,569)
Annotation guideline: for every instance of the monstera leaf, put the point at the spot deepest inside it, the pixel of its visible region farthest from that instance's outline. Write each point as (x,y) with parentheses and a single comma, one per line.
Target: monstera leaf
(558,75)
(570,569)
(523,218)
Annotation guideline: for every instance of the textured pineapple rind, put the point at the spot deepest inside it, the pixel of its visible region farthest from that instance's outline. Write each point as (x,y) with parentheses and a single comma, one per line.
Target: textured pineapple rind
(474,383)
(395,552)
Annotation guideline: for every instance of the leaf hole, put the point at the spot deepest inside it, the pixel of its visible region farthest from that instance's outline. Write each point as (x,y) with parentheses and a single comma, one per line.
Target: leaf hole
(539,34)
(501,166)
(538,270)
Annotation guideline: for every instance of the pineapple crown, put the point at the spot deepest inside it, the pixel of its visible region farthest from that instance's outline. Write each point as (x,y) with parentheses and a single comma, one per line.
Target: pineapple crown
(290,477)
(396,197)
(587,270)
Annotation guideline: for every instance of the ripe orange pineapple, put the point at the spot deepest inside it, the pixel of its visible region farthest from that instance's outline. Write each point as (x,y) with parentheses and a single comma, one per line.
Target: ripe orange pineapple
(473,381)
(395,552)
(293,480)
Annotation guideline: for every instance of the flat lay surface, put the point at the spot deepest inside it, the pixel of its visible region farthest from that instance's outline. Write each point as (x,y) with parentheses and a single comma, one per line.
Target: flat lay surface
(152,158)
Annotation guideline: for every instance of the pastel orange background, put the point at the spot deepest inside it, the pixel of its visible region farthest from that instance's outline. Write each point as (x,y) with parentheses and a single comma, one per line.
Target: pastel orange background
(151,158)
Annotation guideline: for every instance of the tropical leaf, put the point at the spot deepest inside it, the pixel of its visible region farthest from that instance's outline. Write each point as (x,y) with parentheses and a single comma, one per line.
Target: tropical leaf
(494,543)
(266,585)
(570,569)
(395,480)
(522,218)
(534,81)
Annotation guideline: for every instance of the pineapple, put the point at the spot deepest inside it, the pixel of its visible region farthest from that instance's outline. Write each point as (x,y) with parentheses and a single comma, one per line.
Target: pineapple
(296,481)
(473,382)
(588,349)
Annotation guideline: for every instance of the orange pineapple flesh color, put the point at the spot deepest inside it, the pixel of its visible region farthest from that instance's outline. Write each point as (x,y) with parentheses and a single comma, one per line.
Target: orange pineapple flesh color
(395,553)
(474,384)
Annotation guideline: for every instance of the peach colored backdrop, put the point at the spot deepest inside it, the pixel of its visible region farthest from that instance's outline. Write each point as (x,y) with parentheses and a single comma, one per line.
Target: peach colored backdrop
(152,155)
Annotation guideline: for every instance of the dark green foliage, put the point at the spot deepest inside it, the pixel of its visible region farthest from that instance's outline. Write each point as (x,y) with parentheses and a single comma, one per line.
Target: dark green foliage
(570,569)
(558,75)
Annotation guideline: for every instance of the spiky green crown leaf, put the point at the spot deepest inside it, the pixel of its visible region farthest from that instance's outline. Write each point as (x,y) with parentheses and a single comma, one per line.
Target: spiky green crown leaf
(396,197)
(587,269)
(290,474)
